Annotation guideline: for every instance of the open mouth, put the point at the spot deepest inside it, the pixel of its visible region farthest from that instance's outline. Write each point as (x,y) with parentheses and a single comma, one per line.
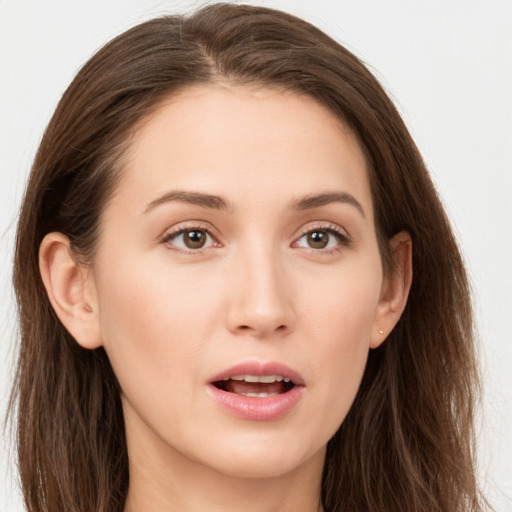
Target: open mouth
(258,391)
(257,386)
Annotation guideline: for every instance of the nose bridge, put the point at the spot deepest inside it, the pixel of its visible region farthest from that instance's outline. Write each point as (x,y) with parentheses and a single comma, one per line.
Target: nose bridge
(259,300)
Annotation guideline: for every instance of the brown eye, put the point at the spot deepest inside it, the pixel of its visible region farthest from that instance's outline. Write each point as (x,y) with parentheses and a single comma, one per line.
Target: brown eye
(322,238)
(194,238)
(318,239)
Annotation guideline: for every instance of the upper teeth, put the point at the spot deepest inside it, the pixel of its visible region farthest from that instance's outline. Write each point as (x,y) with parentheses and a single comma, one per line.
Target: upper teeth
(267,379)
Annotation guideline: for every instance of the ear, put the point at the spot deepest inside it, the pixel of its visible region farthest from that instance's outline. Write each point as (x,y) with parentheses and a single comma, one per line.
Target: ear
(395,288)
(71,290)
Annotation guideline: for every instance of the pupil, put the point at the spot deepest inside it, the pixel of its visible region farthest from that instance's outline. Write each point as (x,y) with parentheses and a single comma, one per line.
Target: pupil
(194,239)
(318,239)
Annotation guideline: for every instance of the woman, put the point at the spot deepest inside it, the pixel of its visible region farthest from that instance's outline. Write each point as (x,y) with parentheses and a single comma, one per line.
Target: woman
(214,271)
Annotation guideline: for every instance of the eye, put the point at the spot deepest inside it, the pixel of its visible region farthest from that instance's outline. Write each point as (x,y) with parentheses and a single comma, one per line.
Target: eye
(190,239)
(322,238)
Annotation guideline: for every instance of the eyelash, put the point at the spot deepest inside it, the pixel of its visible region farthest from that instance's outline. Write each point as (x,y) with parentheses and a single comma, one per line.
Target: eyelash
(332,229)
(181,229)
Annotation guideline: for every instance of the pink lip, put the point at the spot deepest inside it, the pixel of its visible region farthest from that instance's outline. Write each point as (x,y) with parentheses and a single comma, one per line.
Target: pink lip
(269,408)
(259,368)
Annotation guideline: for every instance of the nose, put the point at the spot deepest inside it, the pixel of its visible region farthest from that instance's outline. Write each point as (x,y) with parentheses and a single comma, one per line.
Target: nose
(259,292)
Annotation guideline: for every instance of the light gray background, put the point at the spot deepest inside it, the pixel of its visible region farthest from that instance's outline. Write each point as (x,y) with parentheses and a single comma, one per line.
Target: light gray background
(448,64)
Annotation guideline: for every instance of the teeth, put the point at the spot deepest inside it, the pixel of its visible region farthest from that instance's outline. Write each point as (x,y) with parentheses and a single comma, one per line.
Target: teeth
(266,379)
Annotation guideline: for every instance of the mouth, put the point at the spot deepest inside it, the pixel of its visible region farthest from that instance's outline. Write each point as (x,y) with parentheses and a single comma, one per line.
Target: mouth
(255,386)
(258,391)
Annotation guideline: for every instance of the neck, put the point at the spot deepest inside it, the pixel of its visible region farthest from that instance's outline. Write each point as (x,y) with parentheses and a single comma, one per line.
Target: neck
(227,494)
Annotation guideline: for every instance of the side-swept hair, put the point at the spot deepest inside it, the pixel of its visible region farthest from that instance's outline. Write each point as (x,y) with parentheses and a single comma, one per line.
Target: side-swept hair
(407,442)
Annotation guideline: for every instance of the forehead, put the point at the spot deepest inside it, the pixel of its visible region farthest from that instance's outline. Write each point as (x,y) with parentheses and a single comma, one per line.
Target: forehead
(238,140)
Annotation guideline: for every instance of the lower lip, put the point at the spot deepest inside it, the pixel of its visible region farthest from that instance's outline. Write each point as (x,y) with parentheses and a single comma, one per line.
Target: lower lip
(268,408)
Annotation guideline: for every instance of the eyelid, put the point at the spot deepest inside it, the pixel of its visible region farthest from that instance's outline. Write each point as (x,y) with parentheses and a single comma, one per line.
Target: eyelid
(177,229)
(325,226)
(343,236)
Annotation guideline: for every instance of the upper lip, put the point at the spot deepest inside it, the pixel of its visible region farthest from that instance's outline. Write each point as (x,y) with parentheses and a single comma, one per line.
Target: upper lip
(260,368)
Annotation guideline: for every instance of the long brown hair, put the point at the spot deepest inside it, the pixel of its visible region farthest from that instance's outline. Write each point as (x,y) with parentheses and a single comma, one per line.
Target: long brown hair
(407,442)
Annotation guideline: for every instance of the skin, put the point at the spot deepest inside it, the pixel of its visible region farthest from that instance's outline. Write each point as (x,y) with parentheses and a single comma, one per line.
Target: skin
(171,317)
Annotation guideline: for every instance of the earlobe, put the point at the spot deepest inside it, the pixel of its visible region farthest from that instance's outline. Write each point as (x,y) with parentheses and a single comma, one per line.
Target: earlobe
(70,289)
(395,289)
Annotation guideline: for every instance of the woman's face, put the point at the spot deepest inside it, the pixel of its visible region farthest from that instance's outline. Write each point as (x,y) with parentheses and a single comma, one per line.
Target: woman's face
(239,246)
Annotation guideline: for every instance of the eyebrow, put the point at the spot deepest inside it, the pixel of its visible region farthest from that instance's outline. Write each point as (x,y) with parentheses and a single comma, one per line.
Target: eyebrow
(195,198)
(316,201)
(218,203)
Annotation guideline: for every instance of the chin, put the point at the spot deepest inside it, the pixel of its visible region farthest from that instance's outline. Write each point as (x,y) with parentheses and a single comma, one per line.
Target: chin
(265,457)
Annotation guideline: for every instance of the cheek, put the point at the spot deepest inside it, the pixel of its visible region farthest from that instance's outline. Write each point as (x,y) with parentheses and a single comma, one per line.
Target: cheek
(155,325)
(340,321)
(340,306)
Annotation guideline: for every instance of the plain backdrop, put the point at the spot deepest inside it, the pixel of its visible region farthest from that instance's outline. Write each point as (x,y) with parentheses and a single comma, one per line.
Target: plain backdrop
(446,63)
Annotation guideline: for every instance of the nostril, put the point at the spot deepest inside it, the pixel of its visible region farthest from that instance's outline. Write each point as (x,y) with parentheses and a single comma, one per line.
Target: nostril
(279,328)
